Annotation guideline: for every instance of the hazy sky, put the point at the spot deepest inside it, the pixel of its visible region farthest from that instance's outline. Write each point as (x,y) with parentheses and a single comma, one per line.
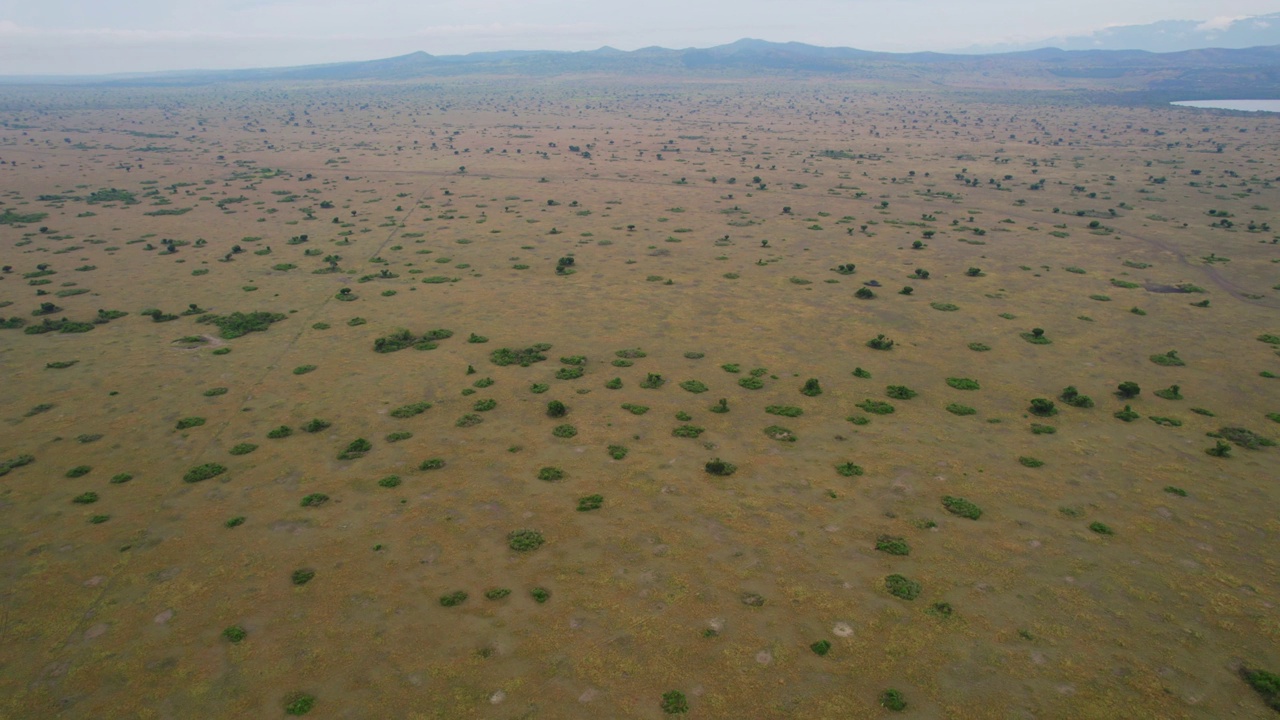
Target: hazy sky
(100,36)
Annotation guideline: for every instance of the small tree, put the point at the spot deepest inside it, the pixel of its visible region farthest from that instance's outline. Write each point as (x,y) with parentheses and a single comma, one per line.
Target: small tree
(556,409)
(1128,389)
(1043,407)
(811,387)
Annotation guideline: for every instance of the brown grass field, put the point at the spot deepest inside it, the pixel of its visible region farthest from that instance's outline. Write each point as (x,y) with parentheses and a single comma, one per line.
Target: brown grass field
(1079,219)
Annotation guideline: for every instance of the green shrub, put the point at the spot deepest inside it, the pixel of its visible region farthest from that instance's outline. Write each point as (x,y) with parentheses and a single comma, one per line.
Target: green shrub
(784,410)
(569,373)
(751,383)
(1264,683)
(635,409)
(892,545)
(652,381)
(203,472)
(314,500)
(237,323)
(1172,490)
(283,431)
(214,392)
(564,431)
(389,481)
(848,469)
(1127,414)
(957,409)
(1072,397)
(431,464)
(893,700)
(1030,462)
(903,587)
(468,420)
(234,633)
(1100,528)
(539,388)
(590,502)
(963,384)
(1245,438)
(720,468)
(777,432)
(79,471)
(617,452)
(496,593)
(525,540)
(190,422)
(860,373)
(1043,407)
(731,367)
(693,386)
(120,478)
(688,431)
(86,498)
(457,597)
(900,392)
(1038,429)
(523,358)
(356,449)
(960,506)
(876,407)
(880,342)
(550,474)
(1169,359)
(242,449)
(674,702)
(820,648)
(614,384)
(1035,337)
(944,307)
(556,409)
(303,369)
(811,388)
(315,425)
(398,436)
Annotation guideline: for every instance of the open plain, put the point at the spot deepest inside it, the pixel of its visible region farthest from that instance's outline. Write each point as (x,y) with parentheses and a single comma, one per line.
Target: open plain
(289,367)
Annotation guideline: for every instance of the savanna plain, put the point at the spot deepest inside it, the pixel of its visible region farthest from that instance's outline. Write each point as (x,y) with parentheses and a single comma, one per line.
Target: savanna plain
(553,399)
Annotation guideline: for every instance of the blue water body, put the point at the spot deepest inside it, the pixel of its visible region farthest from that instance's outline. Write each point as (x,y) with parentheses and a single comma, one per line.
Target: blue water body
(1246,105)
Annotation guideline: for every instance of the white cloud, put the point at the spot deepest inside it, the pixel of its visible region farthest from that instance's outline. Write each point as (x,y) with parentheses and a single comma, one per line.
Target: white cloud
(1219,23)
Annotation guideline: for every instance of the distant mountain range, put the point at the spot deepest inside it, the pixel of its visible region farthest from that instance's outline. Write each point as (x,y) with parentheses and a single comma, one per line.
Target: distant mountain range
(1206,73)
(1163,36)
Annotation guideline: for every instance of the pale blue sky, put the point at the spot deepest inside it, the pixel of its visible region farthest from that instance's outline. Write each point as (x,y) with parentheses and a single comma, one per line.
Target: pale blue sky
(100,36)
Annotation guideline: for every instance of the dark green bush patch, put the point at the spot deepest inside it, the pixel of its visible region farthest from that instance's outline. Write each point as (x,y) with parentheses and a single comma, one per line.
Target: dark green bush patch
(892,545)
(496,593)
(85,498)
(963,383)
(848,469)
(1173,490)
(1264,683)
(523,358)
(893,700)
(564,431)
(539,388)
(389,481)
(234,633)
(457,597)
(431,464)
(242,448)
(900,392)
(1030,462)
(635,409)
(485,405)
(590,502)
(569,373)
(784,410)
(777,432)
(944,307)
(203,472)
(189,422)
(551,474)
(1166,421)
(720,468)
(1127,414)
(525,540)
(1101,528)
(303,369)
(875,407)
(1038,429)
(356,449)
(283,431)
(315,425)
(957,409)
(652,381)
(617,452)
(731,367)
(236,521)
(314,500)
(214,392)
(237,323)
(693,386)
(1168,359)
(688,431)
(1245,438)
(858,419)
(60,364)
(820,648)
(751,383)
(120,478)
(903,587)
(979,347)
(960,506)
(674,702)
(398,436)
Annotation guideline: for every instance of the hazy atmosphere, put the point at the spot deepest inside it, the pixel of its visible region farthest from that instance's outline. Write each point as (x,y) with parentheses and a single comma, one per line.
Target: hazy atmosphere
(88,37)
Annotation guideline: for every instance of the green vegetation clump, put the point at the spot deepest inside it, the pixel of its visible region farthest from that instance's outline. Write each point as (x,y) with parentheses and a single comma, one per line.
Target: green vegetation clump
(86,498)
(820,648)
(848,469)
(564,431)
(1127,414)
(777,432)
(617,452)
(237,323)
(960,506)
(720,468)
(1071,396)
(694,386)
(751,383)
(523,358)
(1245,438)
(551,474)
(456,597)
(398,436)
(1169,359)
(614,384)
(1264,683)
(234,633)
(958,409)
(688,431)
(1043,407)
(1101,528)
(16,462)
(1030,462)
(590,502)
(120,478)
(389,481)
(242,449)
(525,540)
(236,521)
(900,392)
(880,342)
(876,407)
(652,381)
(214,392)
(356,449)
(299,704)
(963,383)
(303,369)
(674,702)
(190,422)
(893,700)
(811,388)
(496,593)
(203,472)
(903,587)
(314,500)
(431,464)
(315,425)
(892,545)
(784,410)
(283,431)
(862,374)
(1035,337)
(569,373)
(635,409)
(556,409)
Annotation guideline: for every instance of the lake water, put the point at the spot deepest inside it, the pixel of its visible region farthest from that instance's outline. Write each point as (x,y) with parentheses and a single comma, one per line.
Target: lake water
(1246,105)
